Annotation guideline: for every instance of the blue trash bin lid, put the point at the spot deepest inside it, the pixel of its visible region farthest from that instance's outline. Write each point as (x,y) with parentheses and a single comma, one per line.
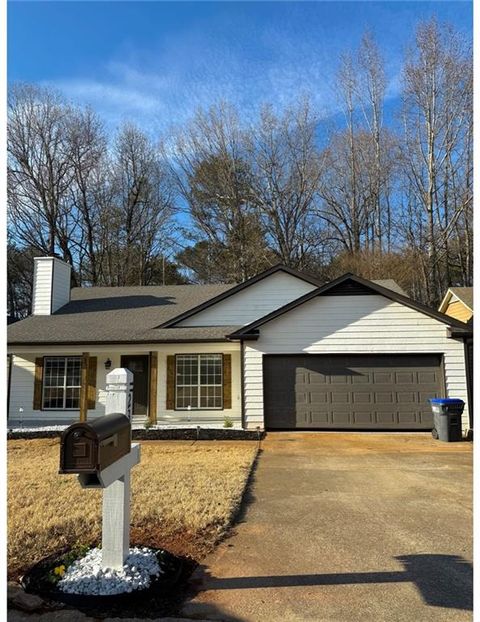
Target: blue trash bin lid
(445,401)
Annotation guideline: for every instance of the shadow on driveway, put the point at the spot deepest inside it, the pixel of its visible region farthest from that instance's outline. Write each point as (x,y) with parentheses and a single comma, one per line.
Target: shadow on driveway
(443,580)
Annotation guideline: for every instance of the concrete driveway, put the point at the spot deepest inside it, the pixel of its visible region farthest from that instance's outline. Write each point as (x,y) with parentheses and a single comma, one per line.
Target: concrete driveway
(341,526)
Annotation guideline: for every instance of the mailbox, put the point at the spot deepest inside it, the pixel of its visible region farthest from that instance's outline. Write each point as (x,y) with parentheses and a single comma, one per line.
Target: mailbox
(90,447)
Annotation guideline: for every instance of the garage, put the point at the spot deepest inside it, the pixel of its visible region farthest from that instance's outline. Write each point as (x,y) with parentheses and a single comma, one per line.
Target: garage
(371,391)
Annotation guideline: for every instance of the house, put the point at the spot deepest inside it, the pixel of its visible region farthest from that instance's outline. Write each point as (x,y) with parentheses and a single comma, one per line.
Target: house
(458,303)
(279,351)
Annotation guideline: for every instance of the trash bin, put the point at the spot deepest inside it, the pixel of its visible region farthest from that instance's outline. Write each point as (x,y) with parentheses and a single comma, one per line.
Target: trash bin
(447,418)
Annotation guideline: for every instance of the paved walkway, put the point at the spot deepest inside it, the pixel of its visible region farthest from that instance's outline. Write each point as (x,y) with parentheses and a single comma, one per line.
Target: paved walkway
(350,527)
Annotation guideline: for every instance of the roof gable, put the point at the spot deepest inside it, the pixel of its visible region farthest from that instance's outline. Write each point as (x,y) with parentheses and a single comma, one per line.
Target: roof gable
(463,294)
(348,284)
(237,289)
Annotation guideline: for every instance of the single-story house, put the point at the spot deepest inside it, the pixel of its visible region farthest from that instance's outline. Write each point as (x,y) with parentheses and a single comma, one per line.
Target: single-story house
(279,351)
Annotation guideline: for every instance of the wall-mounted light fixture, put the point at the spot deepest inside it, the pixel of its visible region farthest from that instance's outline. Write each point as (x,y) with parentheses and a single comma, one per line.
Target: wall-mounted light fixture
(108,364)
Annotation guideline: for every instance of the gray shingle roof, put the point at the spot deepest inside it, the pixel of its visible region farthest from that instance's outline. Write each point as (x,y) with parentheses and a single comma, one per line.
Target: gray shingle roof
(390,284)
(120,315)
(465,294)
(126,315)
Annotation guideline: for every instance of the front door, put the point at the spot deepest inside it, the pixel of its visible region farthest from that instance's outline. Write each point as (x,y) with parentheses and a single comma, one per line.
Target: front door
(138,365)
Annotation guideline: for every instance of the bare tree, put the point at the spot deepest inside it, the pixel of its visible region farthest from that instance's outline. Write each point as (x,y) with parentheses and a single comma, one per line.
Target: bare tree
(88,149)
(213,175)
(136,222)
(286,173)
(39,168)
(436,114)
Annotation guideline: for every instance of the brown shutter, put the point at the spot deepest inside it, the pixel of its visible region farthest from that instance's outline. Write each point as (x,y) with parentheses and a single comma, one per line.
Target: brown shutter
(171,382)
(227,381)
(92,382)
(152,405)
(84,387)
(37,389)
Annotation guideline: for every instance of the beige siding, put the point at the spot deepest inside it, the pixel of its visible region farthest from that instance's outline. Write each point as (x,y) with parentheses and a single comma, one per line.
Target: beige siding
(459,311)
(42,287)
(356,324)
(252,302)
(22,384)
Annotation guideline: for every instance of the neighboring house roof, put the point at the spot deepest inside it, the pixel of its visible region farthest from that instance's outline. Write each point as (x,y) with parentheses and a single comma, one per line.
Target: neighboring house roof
(352,284)
(120,315)
(464,294)
(390,284)
(238,288)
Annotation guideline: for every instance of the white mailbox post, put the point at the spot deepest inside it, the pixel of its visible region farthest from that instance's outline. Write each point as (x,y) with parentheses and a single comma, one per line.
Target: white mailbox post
(116,495)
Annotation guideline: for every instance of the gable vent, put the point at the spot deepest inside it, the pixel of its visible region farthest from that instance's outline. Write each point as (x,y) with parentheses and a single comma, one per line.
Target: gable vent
(349,288)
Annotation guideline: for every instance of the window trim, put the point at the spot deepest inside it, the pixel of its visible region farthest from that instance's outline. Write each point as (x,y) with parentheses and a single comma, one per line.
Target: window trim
(66,357)
(199,385)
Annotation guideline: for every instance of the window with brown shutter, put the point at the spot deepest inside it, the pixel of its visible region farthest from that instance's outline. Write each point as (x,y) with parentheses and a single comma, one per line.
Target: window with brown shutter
(38,386)
(227,381)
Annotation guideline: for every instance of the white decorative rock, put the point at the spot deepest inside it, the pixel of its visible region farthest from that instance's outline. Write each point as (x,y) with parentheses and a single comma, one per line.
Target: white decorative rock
(86,576)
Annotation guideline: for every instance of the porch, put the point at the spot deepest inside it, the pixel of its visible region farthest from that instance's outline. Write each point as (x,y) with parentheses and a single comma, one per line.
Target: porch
(175,385)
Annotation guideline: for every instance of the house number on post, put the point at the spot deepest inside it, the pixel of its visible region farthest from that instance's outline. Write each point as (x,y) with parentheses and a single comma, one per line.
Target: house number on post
(102,455)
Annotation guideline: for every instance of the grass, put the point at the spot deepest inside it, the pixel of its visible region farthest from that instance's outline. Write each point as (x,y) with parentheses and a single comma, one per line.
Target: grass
(184,497)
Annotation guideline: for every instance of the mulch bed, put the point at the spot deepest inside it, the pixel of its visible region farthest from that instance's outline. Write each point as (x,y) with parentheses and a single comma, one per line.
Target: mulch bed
(177,434)
(161,598)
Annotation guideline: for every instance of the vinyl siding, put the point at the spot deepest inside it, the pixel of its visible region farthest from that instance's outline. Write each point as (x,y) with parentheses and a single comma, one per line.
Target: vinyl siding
(23,372)
(51,285)
(351,324)
(253,302)
(61,285)
(42,287)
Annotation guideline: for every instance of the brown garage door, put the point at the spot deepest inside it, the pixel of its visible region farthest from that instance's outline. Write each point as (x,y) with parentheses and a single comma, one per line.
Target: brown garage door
(350,391)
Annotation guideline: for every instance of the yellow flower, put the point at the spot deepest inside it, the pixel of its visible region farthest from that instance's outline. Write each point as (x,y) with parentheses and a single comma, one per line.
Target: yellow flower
(60,570)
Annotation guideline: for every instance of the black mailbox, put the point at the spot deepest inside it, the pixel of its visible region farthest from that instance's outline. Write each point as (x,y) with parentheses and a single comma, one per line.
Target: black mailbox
(90,447)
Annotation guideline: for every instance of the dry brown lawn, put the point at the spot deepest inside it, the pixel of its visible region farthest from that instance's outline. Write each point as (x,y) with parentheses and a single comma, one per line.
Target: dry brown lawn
(184,497)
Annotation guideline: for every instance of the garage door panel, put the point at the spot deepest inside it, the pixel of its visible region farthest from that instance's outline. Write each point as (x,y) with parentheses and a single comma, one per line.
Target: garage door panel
(386,418)
(350,391)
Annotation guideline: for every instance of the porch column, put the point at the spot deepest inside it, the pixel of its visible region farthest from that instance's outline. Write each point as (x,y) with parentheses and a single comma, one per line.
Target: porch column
(153,382)
(84,387)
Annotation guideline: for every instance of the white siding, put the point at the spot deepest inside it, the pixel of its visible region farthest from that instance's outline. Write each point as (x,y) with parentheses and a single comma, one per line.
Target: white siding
(253,302)
(351,324)
(61,284)
(23,374)
(51,285)
(42,287)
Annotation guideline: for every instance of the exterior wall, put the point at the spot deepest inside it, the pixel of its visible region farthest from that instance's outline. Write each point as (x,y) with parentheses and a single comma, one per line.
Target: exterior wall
(23,373)
(458,310)
(351,324)
(253,302)
(61,284)
(42,287)
(51,285)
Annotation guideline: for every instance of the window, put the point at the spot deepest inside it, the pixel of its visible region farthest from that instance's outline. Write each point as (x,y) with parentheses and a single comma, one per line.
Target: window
(199,381)
(61,382)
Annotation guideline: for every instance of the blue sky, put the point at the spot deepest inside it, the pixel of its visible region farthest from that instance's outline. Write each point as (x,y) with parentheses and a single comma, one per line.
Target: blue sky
(156,62)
